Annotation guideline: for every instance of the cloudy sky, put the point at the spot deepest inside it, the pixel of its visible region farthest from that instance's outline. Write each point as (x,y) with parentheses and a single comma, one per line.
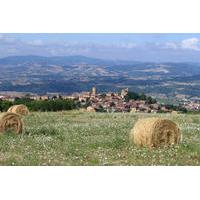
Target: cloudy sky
(139,47)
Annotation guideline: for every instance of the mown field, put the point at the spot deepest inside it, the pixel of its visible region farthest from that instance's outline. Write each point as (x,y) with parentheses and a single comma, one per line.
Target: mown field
(81,138)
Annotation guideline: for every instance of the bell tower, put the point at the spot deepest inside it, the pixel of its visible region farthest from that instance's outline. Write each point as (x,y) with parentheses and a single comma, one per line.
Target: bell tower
(94,91)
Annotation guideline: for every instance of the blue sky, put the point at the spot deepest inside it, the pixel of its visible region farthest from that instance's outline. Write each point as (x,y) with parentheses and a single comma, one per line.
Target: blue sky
(140,47)
(105,37)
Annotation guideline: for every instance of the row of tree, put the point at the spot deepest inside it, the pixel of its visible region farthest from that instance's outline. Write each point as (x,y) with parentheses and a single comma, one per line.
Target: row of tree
(136,96)
(177,108)
(40,105)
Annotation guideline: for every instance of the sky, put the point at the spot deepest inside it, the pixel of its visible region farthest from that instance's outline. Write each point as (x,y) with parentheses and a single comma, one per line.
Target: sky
(156,47)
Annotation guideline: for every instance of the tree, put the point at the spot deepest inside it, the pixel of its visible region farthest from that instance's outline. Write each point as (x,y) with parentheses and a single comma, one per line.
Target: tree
(5,105)
(143,96)
(132,95)
(150,100)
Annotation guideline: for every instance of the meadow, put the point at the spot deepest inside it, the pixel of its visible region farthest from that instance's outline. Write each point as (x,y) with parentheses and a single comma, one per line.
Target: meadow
(80,139)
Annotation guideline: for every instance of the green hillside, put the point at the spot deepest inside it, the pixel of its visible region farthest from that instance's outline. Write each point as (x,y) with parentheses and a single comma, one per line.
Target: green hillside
(81,138)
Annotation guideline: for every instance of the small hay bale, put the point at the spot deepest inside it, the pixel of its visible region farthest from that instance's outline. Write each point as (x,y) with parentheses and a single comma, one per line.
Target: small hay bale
(90,109)
(174,112)
(133,110)
(155,132)
(82,109)
(11,122)
(19,109)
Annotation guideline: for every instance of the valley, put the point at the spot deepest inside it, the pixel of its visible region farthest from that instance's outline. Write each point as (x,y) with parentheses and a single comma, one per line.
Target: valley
(78,73)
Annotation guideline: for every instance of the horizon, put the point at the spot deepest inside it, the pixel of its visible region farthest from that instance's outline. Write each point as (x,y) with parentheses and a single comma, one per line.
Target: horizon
(143,47)
(103,59)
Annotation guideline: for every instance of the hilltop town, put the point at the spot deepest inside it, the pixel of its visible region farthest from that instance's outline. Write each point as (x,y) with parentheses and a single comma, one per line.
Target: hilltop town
(124,101)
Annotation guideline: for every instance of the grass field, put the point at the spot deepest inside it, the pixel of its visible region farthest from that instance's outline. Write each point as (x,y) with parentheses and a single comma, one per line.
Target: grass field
(80,138)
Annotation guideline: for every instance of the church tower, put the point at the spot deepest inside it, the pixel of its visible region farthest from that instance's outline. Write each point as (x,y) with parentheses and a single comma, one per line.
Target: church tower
(94,91)
(124,92)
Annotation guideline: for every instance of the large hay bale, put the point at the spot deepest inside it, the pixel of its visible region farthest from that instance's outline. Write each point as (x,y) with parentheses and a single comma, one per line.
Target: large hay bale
(11,122)
(19,109)
(90,109)
(155,132)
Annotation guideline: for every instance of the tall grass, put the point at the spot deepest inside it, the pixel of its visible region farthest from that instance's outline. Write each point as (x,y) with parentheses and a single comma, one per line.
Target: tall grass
(78,138)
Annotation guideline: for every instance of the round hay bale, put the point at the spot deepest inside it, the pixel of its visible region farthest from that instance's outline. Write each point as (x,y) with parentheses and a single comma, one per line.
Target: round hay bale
(11,122)
(174,112)
(82,109)
(133,110)
(19,109)
(90,109)
(155,132)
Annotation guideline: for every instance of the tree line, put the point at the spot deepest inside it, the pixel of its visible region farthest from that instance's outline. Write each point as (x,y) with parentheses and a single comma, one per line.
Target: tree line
(142,96)
(40,105)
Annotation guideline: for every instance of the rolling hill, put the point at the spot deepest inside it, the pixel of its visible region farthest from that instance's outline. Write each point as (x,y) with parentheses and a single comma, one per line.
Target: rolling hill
(78,73)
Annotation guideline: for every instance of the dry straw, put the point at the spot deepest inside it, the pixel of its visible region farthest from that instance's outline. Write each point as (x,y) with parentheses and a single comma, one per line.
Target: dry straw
(11,122)
(155,132)
(19,109)
(90,109)
(133,110)
(174,112)
(82,109)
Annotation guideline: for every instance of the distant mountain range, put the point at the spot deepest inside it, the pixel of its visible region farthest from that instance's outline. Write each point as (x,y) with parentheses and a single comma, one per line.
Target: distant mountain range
(78,73)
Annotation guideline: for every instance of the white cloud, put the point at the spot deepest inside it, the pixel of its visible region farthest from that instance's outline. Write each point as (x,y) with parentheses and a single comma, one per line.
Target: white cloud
(36,43)
(12,50)
(171,45)
(7,39)
(52,52)
(187,44)
(191,43)
(1,36)
(127,45)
